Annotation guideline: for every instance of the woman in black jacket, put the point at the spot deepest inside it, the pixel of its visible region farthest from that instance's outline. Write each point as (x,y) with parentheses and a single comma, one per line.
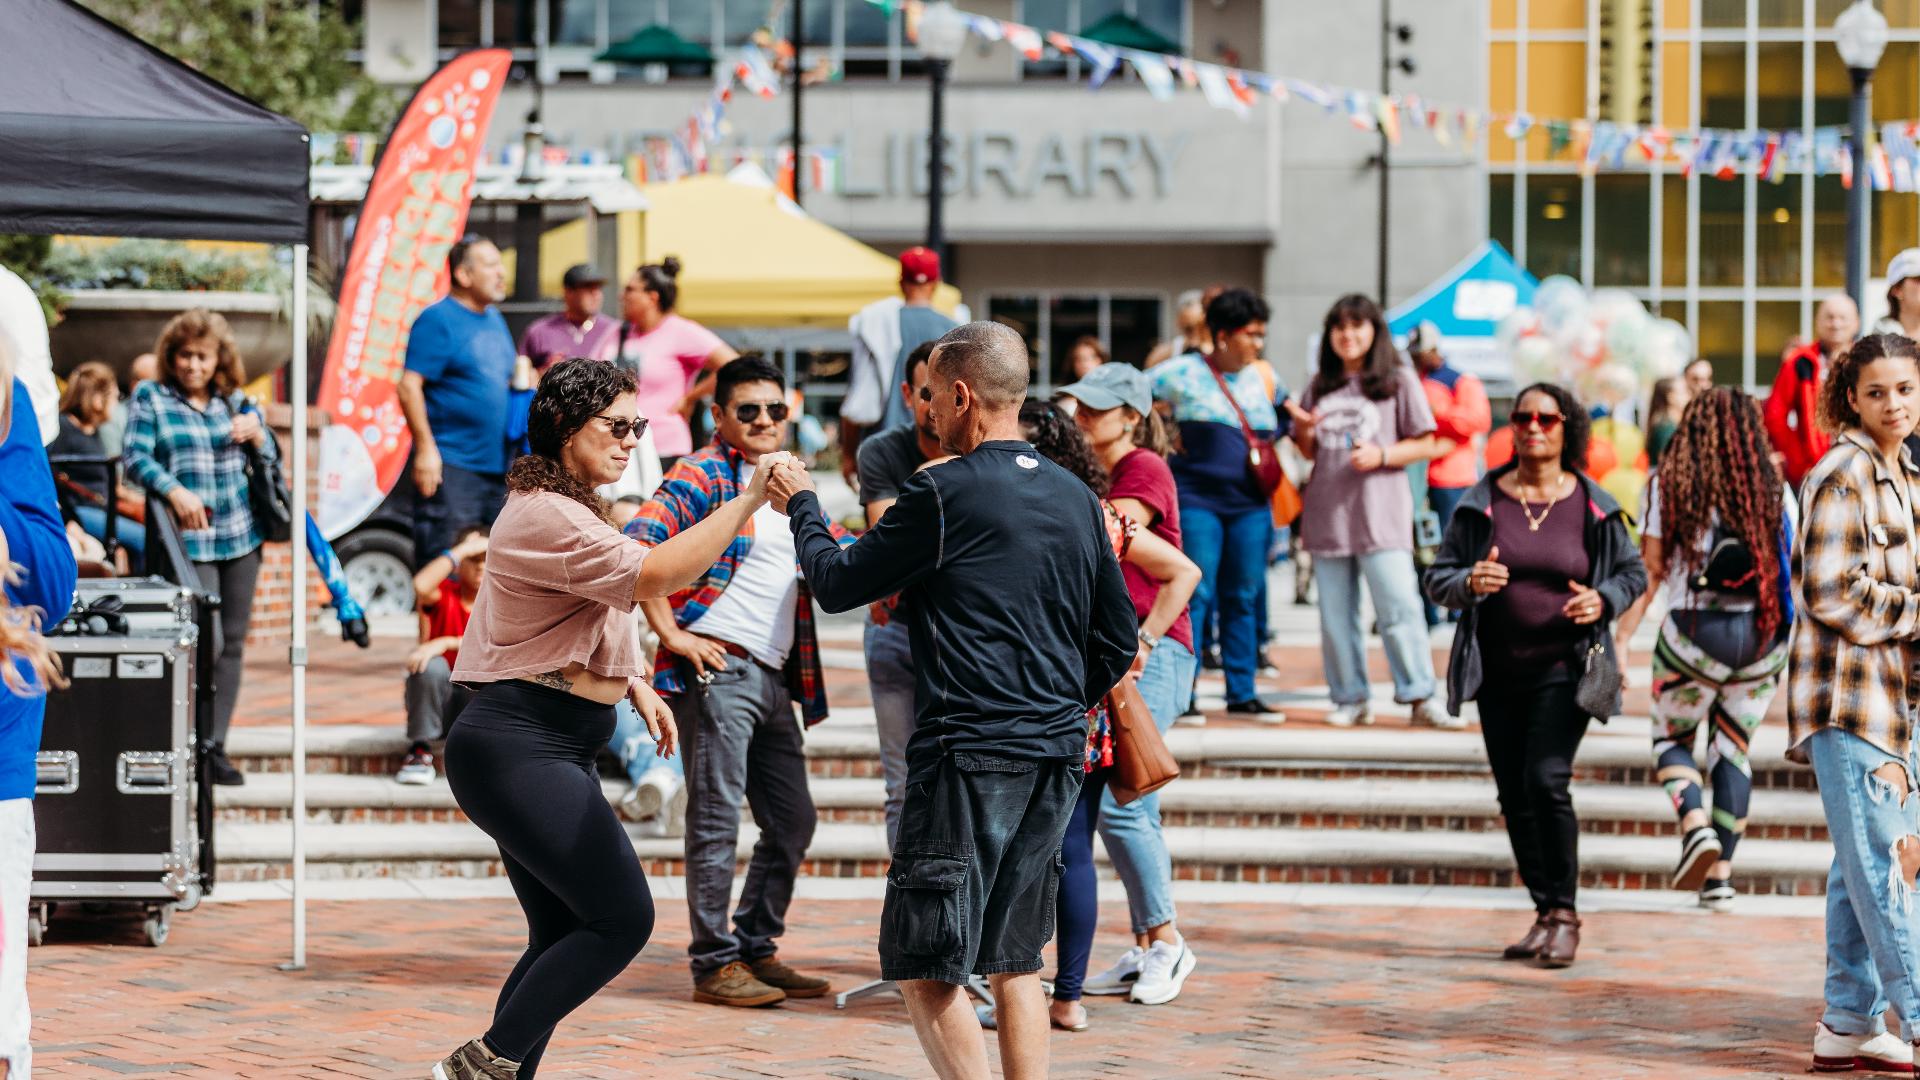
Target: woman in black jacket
(1538,561)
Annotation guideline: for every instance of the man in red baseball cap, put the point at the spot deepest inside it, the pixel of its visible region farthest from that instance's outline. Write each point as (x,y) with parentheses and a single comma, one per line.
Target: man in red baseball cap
(884,333)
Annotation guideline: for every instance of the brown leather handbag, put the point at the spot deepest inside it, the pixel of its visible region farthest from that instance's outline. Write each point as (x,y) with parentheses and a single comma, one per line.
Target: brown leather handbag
(1141,761)
(1263,464)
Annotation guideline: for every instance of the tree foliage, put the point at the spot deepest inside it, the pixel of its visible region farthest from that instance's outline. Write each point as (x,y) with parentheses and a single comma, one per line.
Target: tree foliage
(288,55)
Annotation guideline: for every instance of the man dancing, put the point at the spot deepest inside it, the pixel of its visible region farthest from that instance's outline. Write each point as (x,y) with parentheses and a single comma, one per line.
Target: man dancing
(1020,621)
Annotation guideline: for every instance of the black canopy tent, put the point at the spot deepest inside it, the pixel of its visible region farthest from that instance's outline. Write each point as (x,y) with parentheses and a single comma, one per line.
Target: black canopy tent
(102,134)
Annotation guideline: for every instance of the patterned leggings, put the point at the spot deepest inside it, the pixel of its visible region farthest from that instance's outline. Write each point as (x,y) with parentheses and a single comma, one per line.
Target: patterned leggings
(1688,687)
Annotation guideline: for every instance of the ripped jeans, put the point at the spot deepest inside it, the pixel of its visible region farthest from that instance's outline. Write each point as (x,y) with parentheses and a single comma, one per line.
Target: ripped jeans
(1873,931)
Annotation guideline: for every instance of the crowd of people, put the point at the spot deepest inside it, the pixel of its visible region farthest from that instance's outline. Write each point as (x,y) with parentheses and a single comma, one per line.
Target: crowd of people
(594,575)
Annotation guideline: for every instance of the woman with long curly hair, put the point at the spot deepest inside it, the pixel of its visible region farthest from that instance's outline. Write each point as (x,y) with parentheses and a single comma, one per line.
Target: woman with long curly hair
(1057,437)
(1849,697)
(1719,523)
(1537,561)
(551,646)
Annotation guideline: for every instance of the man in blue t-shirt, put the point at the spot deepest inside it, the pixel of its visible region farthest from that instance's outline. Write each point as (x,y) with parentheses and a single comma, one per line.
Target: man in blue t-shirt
(460,359)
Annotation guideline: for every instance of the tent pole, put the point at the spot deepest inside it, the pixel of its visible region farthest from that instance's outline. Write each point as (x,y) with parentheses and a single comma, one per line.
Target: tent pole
(297,654)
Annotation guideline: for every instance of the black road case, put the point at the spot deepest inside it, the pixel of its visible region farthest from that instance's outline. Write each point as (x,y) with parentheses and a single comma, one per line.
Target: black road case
(121,800)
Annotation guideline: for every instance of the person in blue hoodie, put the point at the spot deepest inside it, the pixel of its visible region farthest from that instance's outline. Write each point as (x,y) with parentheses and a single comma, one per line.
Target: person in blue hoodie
(37,569)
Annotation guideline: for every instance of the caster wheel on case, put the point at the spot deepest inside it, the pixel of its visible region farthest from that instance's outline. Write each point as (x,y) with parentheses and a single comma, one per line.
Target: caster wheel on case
(36,927)
(192,898)
(156,928)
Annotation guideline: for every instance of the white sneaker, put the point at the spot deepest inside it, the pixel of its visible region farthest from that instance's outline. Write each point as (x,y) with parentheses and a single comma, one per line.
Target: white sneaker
(649,795)
(1427,714)
(1885,1052)
(417,769)
(1119,978)
(1162,972)
(1345,716)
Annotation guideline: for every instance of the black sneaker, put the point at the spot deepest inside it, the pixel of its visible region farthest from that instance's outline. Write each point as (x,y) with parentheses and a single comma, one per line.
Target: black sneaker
(1699,850)
(1717,895)
(1258,710)
(222,769)
(1210,660)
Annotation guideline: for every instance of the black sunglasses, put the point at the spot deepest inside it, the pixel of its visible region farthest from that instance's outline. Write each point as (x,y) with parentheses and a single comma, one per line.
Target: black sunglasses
(748,412)
(620,426)
(1547,421)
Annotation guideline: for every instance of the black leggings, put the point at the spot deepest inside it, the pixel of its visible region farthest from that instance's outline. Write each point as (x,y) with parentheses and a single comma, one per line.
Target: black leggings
(1532,731)
(520,762)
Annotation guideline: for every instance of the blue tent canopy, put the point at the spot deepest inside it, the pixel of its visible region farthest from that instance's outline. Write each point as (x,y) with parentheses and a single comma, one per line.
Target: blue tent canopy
(1467,304)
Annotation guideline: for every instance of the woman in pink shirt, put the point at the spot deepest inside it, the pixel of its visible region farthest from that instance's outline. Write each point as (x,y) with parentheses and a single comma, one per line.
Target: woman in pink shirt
(672,359)
(550,648)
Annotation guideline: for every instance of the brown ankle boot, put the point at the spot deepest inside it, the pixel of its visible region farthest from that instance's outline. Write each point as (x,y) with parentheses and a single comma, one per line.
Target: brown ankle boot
(735,985)
(1528,947)
(1563,939)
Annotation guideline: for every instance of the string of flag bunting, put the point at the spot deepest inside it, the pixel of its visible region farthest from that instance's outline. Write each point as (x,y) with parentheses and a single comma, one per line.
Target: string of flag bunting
(1893,159)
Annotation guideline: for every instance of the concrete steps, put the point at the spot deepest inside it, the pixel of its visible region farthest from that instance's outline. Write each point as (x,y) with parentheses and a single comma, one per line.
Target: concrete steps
(1287,804)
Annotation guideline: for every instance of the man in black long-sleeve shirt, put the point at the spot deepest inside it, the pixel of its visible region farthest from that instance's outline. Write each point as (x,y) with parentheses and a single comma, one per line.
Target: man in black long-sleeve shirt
(1020,623)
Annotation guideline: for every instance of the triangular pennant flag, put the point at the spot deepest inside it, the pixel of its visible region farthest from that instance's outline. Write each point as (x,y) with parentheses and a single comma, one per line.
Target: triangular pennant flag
(1061,43)
(1469,127)
(1213,84)
(1518,126)
(1559,136)
(1360,114)
(1882,170)
(1153,72)
(1102,58)
(1310,92)
(1024,39)
(1388,110)
(1237,82)
(1185,68)
(986,29)
(1442,133)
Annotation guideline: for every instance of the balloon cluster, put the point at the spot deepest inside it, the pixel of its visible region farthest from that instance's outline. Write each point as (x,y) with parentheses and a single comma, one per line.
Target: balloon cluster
(1609,350)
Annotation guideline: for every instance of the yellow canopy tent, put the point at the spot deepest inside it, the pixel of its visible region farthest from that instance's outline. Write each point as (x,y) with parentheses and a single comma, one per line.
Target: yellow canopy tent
(750,258)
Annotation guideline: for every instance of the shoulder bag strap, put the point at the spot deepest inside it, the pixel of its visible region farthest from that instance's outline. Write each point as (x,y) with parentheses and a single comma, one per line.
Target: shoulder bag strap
(1245,428)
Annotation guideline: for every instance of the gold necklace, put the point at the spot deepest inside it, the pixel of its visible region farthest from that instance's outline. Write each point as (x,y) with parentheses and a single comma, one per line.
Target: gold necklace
(1526,508)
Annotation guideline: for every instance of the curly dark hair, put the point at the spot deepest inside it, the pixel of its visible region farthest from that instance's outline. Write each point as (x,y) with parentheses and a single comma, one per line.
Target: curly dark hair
(1380,376)
(1576,429)
(1837,413)
(1058,438)
(1719,468)
(572,393)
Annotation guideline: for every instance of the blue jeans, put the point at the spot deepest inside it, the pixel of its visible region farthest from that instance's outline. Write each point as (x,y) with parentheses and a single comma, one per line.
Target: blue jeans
(1444,502)
(890,678)
(1873,930)
(1231,552)
(463,498)
(1396,602)
(635,748)
(131,534)
(1132,832)
(1077,909)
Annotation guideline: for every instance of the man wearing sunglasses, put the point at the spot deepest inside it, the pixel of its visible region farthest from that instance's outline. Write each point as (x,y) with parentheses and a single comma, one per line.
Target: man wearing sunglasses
(737,649)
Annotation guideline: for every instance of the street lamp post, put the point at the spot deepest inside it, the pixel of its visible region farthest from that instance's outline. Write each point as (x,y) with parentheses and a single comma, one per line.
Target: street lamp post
(942,33)
(1860,33)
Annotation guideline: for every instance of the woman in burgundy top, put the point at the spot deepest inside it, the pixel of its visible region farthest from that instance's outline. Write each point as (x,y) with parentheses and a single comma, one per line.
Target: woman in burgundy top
(1114,409)
(1538,560)
(551,648)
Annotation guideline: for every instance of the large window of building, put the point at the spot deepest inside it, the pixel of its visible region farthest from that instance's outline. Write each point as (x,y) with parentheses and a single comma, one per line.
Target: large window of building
(1742,261)
(1127,326)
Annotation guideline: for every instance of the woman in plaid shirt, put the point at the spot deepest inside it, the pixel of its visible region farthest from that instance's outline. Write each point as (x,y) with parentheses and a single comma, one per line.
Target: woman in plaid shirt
(186,442)
(1850,707)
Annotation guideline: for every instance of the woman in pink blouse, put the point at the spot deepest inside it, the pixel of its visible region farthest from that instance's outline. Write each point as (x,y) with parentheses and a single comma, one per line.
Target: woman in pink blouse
(672,358)
(550,648)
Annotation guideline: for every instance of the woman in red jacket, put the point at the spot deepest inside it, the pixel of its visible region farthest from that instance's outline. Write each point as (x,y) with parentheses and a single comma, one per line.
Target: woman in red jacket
(1793,407)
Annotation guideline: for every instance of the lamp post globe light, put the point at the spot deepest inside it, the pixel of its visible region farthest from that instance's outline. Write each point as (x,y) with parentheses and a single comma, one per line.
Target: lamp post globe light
(943,31)
(1860,34)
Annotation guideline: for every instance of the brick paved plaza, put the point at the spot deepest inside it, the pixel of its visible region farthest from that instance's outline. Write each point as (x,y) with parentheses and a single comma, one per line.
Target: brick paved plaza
(1282,991)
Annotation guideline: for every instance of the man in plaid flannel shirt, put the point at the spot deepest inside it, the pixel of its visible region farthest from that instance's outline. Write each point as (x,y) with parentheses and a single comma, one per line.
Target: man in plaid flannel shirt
(737,650)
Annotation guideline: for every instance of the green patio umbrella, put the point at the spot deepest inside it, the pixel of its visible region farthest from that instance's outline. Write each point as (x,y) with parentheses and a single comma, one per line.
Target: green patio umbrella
(656,45)
(1123,31)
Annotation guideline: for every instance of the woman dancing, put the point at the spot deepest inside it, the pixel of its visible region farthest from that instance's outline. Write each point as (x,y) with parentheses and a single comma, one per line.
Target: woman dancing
(551,648)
